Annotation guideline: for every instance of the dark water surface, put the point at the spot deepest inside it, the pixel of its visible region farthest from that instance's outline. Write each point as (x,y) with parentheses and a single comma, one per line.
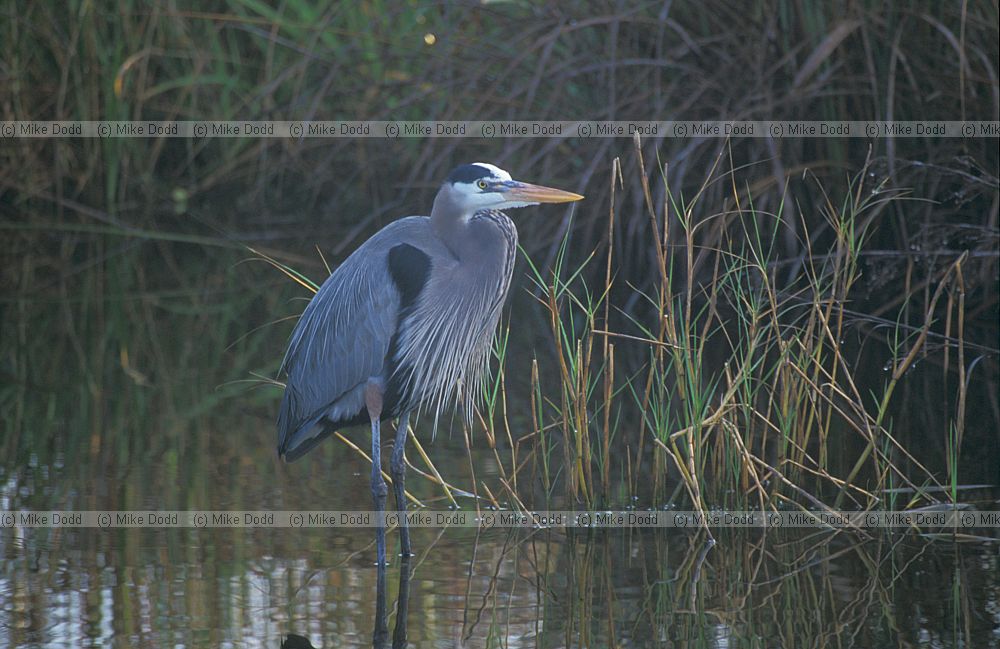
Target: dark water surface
(228,587)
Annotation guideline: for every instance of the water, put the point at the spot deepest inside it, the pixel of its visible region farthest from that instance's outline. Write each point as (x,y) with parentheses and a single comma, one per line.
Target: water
(228,587)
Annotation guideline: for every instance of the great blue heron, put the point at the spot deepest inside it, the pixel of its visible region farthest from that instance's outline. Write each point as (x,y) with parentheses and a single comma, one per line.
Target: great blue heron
(406,321)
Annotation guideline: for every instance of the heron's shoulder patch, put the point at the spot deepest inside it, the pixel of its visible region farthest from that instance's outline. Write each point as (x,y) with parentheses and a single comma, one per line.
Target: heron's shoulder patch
(410,268)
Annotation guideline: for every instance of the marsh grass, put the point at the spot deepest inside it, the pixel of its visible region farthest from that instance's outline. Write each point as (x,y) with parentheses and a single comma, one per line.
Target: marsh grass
(747,395)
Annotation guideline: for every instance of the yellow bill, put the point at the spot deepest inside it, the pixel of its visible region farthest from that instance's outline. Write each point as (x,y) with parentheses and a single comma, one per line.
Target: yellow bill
(529,193)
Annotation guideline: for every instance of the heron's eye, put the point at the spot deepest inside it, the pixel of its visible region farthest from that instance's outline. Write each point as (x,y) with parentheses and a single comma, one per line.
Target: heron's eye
(482,184)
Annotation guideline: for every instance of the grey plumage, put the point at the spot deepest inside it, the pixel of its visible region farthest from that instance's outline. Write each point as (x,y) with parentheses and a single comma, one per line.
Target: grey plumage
(407,320)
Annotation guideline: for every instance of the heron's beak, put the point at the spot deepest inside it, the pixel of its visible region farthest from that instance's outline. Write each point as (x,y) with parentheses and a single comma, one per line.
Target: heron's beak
(518,191)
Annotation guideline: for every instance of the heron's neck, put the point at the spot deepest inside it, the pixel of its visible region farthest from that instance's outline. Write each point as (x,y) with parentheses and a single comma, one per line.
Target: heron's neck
(450,223)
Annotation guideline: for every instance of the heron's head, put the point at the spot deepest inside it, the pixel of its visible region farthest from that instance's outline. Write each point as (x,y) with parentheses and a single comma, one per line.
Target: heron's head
(480,186)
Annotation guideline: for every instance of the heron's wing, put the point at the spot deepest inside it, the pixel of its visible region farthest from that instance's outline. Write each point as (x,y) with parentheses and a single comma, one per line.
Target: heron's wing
(339,343)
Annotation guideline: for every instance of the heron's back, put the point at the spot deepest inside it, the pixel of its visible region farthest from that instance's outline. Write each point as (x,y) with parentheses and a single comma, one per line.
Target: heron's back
(341,341)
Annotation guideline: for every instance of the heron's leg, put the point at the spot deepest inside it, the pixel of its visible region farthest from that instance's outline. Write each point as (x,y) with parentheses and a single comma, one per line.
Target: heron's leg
(402,605)
(381,628)
(373,401)
(397,469)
